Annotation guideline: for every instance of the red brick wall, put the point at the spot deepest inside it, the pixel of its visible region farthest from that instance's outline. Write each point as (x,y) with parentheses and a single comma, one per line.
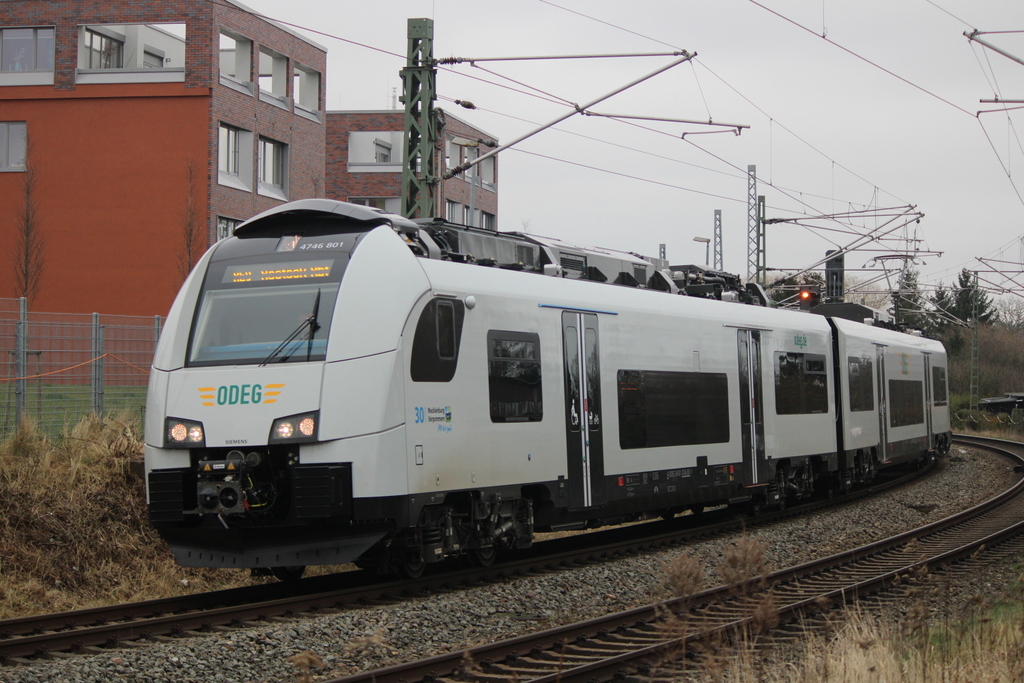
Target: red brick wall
(111,185)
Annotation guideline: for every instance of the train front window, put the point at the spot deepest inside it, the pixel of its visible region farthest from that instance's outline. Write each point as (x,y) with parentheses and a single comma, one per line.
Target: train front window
(266,309)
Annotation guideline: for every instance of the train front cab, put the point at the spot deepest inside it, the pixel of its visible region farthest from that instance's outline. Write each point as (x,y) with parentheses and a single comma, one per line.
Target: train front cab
(314,498)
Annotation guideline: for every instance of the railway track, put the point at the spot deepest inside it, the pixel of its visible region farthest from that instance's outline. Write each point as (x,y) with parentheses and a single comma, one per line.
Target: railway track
(653,643)
(91,630)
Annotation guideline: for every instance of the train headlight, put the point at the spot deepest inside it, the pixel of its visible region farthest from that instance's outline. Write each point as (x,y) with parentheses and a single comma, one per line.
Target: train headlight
(295,428)
(183,433)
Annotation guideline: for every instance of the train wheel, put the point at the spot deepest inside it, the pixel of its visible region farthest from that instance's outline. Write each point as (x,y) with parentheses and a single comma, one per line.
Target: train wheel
(288,574)
(697,509)
(412,568)
(780,484)
(483,557)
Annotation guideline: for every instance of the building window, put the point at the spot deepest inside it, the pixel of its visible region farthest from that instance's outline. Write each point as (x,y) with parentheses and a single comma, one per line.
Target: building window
(487,172)
(226,226)
(514,376)
(234,157)
(306,88)
(131,53)
(374,151)
(235,57)
(386,204)
(26,49)
(103,51)
(272,167)
(381,151)
(228,150)
(273,70)
(801,386)
(453,211)
(13,136)
(490,221)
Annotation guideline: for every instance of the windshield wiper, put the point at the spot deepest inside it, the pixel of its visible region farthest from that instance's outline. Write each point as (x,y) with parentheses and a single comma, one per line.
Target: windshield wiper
(310,322)
(313,324)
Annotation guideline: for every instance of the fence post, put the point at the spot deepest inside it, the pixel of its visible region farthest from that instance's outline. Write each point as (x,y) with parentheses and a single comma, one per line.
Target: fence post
(21,362)
(157,326)
(97,365)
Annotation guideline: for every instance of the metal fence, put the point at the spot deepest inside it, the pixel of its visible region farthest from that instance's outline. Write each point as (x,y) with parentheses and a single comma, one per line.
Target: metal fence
(58,367)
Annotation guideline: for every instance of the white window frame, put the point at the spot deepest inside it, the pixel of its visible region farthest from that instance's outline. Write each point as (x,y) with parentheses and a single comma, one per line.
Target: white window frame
(272,168)
(12,154)
(36,75)
(234,157)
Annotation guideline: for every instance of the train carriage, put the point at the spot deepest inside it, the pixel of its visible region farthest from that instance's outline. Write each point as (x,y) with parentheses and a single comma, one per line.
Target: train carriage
(335,385)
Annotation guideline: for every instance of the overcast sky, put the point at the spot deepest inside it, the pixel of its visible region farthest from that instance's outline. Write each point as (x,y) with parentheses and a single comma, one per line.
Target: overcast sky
(829,132)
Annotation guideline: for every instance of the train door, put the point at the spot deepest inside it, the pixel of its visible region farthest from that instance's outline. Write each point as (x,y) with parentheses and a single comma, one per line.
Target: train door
(751,409)
(928,400)
(583,416)
(883,423)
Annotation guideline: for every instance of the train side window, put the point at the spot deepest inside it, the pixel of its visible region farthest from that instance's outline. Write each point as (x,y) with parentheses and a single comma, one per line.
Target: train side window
(939,386)
(862,388)
(672,408)
(446,349)
(801,383)
(514,376)
(435,345)
(906,402)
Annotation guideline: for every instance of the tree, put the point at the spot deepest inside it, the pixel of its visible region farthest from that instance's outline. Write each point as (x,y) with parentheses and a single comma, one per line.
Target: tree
(958,301)
(193,233)
(910,304)
(29,241)
(1011,313)
(966,293)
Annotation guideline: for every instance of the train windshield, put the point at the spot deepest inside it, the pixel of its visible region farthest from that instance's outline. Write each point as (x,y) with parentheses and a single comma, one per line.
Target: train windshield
(263,308)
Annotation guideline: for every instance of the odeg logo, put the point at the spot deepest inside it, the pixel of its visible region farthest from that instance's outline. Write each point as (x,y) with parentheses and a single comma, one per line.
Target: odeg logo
(240,394)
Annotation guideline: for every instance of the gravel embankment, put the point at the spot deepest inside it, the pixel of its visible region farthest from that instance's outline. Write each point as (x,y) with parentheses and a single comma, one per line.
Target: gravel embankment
(371,637)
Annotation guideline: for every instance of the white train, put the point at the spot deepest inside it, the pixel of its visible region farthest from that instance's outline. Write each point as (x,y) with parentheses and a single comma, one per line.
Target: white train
(335,384)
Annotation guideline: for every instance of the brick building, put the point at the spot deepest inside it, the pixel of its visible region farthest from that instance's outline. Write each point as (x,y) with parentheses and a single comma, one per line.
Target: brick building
(364,165)
(150,129)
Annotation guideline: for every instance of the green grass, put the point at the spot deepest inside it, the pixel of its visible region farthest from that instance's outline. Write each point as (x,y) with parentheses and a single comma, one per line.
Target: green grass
(56,408)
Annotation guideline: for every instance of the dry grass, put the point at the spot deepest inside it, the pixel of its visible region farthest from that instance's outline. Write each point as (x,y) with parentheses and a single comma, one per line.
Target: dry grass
(74,531)
(935,641)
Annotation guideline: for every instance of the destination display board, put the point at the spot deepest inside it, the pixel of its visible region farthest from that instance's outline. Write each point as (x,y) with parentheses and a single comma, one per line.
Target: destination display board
(269,272)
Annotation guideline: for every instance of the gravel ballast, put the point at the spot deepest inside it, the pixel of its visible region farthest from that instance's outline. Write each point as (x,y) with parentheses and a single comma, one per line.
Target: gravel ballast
(363,638)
